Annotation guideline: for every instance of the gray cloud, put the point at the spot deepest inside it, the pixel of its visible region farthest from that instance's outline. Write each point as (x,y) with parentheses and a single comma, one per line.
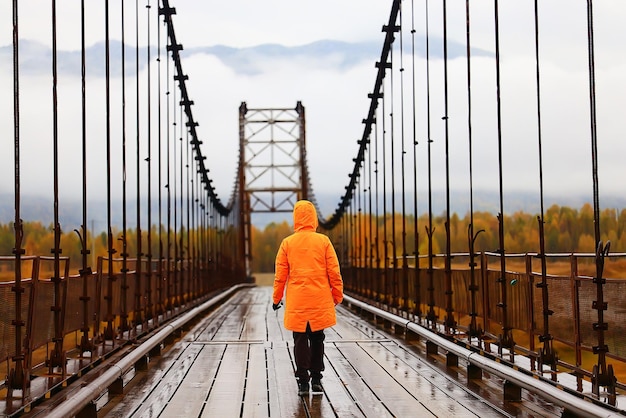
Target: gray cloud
(36,58)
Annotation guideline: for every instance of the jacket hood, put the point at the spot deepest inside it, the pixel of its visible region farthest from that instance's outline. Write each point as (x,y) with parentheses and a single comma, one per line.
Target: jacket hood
(304,216)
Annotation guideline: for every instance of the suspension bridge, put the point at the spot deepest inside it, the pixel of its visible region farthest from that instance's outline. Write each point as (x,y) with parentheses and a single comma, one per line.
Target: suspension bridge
(168,320)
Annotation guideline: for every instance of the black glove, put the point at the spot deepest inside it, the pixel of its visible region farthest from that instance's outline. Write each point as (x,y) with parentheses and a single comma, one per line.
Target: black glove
(276,306)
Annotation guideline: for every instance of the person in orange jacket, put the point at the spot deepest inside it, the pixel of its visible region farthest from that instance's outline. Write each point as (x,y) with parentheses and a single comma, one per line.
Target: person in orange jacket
(307,264)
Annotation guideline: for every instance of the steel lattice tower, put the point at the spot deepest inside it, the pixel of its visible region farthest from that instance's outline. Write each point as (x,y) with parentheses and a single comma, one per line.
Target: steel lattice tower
(272,170)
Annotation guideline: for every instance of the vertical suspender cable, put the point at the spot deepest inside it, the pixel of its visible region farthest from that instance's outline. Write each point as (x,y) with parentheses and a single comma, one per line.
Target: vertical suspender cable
(358,236)
(449,321)
(506,338)
(547,355)
(149,253)
(219,241)
(352,241)
(168,170)
(602,375)
(18,377)
(57,355)
(185,264)
(200,228)
(195,211)
(394,264)
(205,238)
(214,240)
(123,294)
(205,234)
(360,231)
(175,231)
(108,334)
(594,134)
(431,317)
(178,215)
(416,292)
(376,243)
(191,219)
(181,250)
(85,271)
(138,270)
(173,187)
(404,276)
(387,290)
(190,276)
(160,278)
(211,238)
(202,233)
(474,329)
(365,224)
(369,249)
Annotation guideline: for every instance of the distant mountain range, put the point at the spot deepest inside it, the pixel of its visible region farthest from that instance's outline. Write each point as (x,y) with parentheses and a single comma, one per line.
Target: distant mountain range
(39,208)
(36,58)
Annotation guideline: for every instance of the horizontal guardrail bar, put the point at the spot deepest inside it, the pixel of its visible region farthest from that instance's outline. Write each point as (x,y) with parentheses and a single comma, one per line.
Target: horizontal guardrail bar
(93,390)
(532,384)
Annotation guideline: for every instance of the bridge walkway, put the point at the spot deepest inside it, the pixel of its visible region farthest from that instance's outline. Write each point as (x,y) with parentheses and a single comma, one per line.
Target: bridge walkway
(238,361)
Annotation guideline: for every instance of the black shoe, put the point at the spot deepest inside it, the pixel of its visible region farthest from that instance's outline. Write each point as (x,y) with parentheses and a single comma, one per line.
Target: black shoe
(303,389)
(316,386)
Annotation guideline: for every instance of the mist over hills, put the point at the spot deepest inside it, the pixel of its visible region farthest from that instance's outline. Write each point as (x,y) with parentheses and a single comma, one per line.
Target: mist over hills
(40,208)
(36,58)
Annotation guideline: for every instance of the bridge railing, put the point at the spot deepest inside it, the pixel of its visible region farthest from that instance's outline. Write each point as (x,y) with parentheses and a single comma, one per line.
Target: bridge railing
(138,304)
(411,293)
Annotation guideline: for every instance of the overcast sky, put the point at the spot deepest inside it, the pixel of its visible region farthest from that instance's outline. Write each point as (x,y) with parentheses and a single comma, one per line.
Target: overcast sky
(334,89)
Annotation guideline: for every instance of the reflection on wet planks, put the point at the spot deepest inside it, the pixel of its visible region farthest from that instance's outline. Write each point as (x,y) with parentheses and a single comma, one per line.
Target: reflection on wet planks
(238,361)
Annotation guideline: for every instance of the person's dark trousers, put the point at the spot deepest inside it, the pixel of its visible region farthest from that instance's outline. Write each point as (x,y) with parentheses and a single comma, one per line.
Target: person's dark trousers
(309,353)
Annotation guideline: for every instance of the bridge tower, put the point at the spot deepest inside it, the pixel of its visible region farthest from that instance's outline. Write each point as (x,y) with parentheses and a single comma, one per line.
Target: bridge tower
(272,170)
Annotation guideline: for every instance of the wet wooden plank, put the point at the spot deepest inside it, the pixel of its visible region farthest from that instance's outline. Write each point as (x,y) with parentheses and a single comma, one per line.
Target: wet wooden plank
(245,298)
(207,329)
(289,403)
(254,327)
(335,389)
(350,327)
(262,295)
(161,393)
(226,395)
(439,395)
(450,389)
(319,406)
(364,398)
(391,393)
(249,371)
(256,400)
(141,386)
(192,391)
(272,381)
(230,329)
(275,325)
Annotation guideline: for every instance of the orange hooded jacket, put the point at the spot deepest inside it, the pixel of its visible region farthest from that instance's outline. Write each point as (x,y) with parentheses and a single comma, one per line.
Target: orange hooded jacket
(307,265)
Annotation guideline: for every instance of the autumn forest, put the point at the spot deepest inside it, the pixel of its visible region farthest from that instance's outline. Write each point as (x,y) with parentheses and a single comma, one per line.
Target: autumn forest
(566,230)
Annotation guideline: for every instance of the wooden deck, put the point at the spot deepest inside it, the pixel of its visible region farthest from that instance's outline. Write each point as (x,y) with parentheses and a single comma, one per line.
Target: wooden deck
(238,362)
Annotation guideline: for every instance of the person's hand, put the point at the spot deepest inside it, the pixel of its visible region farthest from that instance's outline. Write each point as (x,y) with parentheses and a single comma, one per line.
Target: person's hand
(276,306)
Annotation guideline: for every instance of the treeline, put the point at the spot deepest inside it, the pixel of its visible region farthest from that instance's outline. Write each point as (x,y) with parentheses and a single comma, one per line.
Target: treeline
(565,229)
(39,240)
